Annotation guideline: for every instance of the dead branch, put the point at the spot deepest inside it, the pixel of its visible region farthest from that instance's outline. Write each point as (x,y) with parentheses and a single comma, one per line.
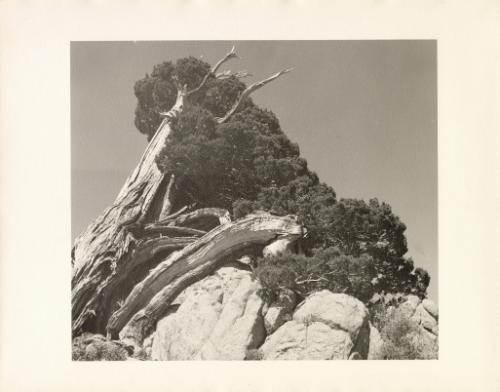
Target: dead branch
(228,74)
(206,252)
(230,55)
(221,214)
(249,90)
(167,202)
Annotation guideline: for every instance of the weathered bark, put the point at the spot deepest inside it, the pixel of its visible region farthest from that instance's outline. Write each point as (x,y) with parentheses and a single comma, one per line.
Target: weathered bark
(166,206)
(139,231)
(99,253)
(154,294)
(220,214)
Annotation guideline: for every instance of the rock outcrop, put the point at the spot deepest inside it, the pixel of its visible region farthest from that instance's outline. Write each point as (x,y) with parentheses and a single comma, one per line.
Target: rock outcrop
(223,317)
(325,326)
(219,319)
(423,312)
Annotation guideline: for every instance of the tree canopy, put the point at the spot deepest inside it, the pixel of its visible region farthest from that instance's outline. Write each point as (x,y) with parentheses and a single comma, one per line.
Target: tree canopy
(248,163)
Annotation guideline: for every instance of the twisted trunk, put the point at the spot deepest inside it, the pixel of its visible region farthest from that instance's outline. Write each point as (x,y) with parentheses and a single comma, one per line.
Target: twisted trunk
(104,254)
(112,259)
(151,299)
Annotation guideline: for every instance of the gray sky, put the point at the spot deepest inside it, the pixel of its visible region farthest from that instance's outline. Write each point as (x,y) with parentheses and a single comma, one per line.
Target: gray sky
(364,114)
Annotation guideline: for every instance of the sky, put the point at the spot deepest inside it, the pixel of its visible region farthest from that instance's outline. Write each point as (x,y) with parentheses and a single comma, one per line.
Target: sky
(364,114)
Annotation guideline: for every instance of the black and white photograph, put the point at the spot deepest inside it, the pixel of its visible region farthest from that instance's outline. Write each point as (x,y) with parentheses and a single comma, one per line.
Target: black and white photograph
(254,200)
(246,196)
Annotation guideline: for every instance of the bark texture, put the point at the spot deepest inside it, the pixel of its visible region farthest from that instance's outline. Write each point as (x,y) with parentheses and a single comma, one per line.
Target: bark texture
(132,261)
(150,299)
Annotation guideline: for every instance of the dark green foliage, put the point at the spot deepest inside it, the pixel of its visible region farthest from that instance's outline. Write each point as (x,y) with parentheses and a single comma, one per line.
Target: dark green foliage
(221,164)
(249,164)
(157,92)
(327,269)
(303,196)
(353,226)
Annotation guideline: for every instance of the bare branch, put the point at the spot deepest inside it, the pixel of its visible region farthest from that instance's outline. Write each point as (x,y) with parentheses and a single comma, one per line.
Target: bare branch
(230,55)
(167,203)
(219,213)
(174,215)
(310,280)
(172,230)
(196,261)
(228,74)
(179,102)
(249,90)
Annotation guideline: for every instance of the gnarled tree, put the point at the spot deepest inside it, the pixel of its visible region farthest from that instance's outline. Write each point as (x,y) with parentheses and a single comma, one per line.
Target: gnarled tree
(213,154)
(124,268)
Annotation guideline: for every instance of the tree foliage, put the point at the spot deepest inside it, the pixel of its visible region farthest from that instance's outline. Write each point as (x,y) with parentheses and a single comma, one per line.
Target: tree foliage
(328,269)
(248,164)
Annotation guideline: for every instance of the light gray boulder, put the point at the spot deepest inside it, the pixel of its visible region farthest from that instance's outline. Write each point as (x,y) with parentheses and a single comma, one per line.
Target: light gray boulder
(315,341)
(219,319)
(431,308)
(325,326)
(338,311)
(425,320)
(407,308)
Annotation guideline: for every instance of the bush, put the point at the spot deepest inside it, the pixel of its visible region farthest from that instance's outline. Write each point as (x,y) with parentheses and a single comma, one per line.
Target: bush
(327,269)
(403,338)
(97,348)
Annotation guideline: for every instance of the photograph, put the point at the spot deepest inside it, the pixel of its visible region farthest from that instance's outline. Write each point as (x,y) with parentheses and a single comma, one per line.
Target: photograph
(254,200)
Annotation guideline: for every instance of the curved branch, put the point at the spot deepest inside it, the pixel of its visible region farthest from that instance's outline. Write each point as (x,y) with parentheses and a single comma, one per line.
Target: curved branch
(230,55)
(205,253)
(249,90)
(220,213)
(173,215)
(228,74)
(179,102)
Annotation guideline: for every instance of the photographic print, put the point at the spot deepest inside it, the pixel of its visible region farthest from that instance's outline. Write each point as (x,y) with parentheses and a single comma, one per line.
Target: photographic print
(254,200)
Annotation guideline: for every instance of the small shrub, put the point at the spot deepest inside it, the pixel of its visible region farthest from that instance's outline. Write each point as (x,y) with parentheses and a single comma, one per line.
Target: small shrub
(404,339)
(326,269)
(96,349)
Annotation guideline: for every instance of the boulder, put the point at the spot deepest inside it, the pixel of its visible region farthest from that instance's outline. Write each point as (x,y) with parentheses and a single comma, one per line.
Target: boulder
(325,326)
(407,308)
(431,308)
(425,320)
(315,341)
(338,311)
(219,319)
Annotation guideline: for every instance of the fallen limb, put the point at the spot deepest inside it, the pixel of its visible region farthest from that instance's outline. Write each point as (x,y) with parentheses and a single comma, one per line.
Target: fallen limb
(183,220)
(196,261)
